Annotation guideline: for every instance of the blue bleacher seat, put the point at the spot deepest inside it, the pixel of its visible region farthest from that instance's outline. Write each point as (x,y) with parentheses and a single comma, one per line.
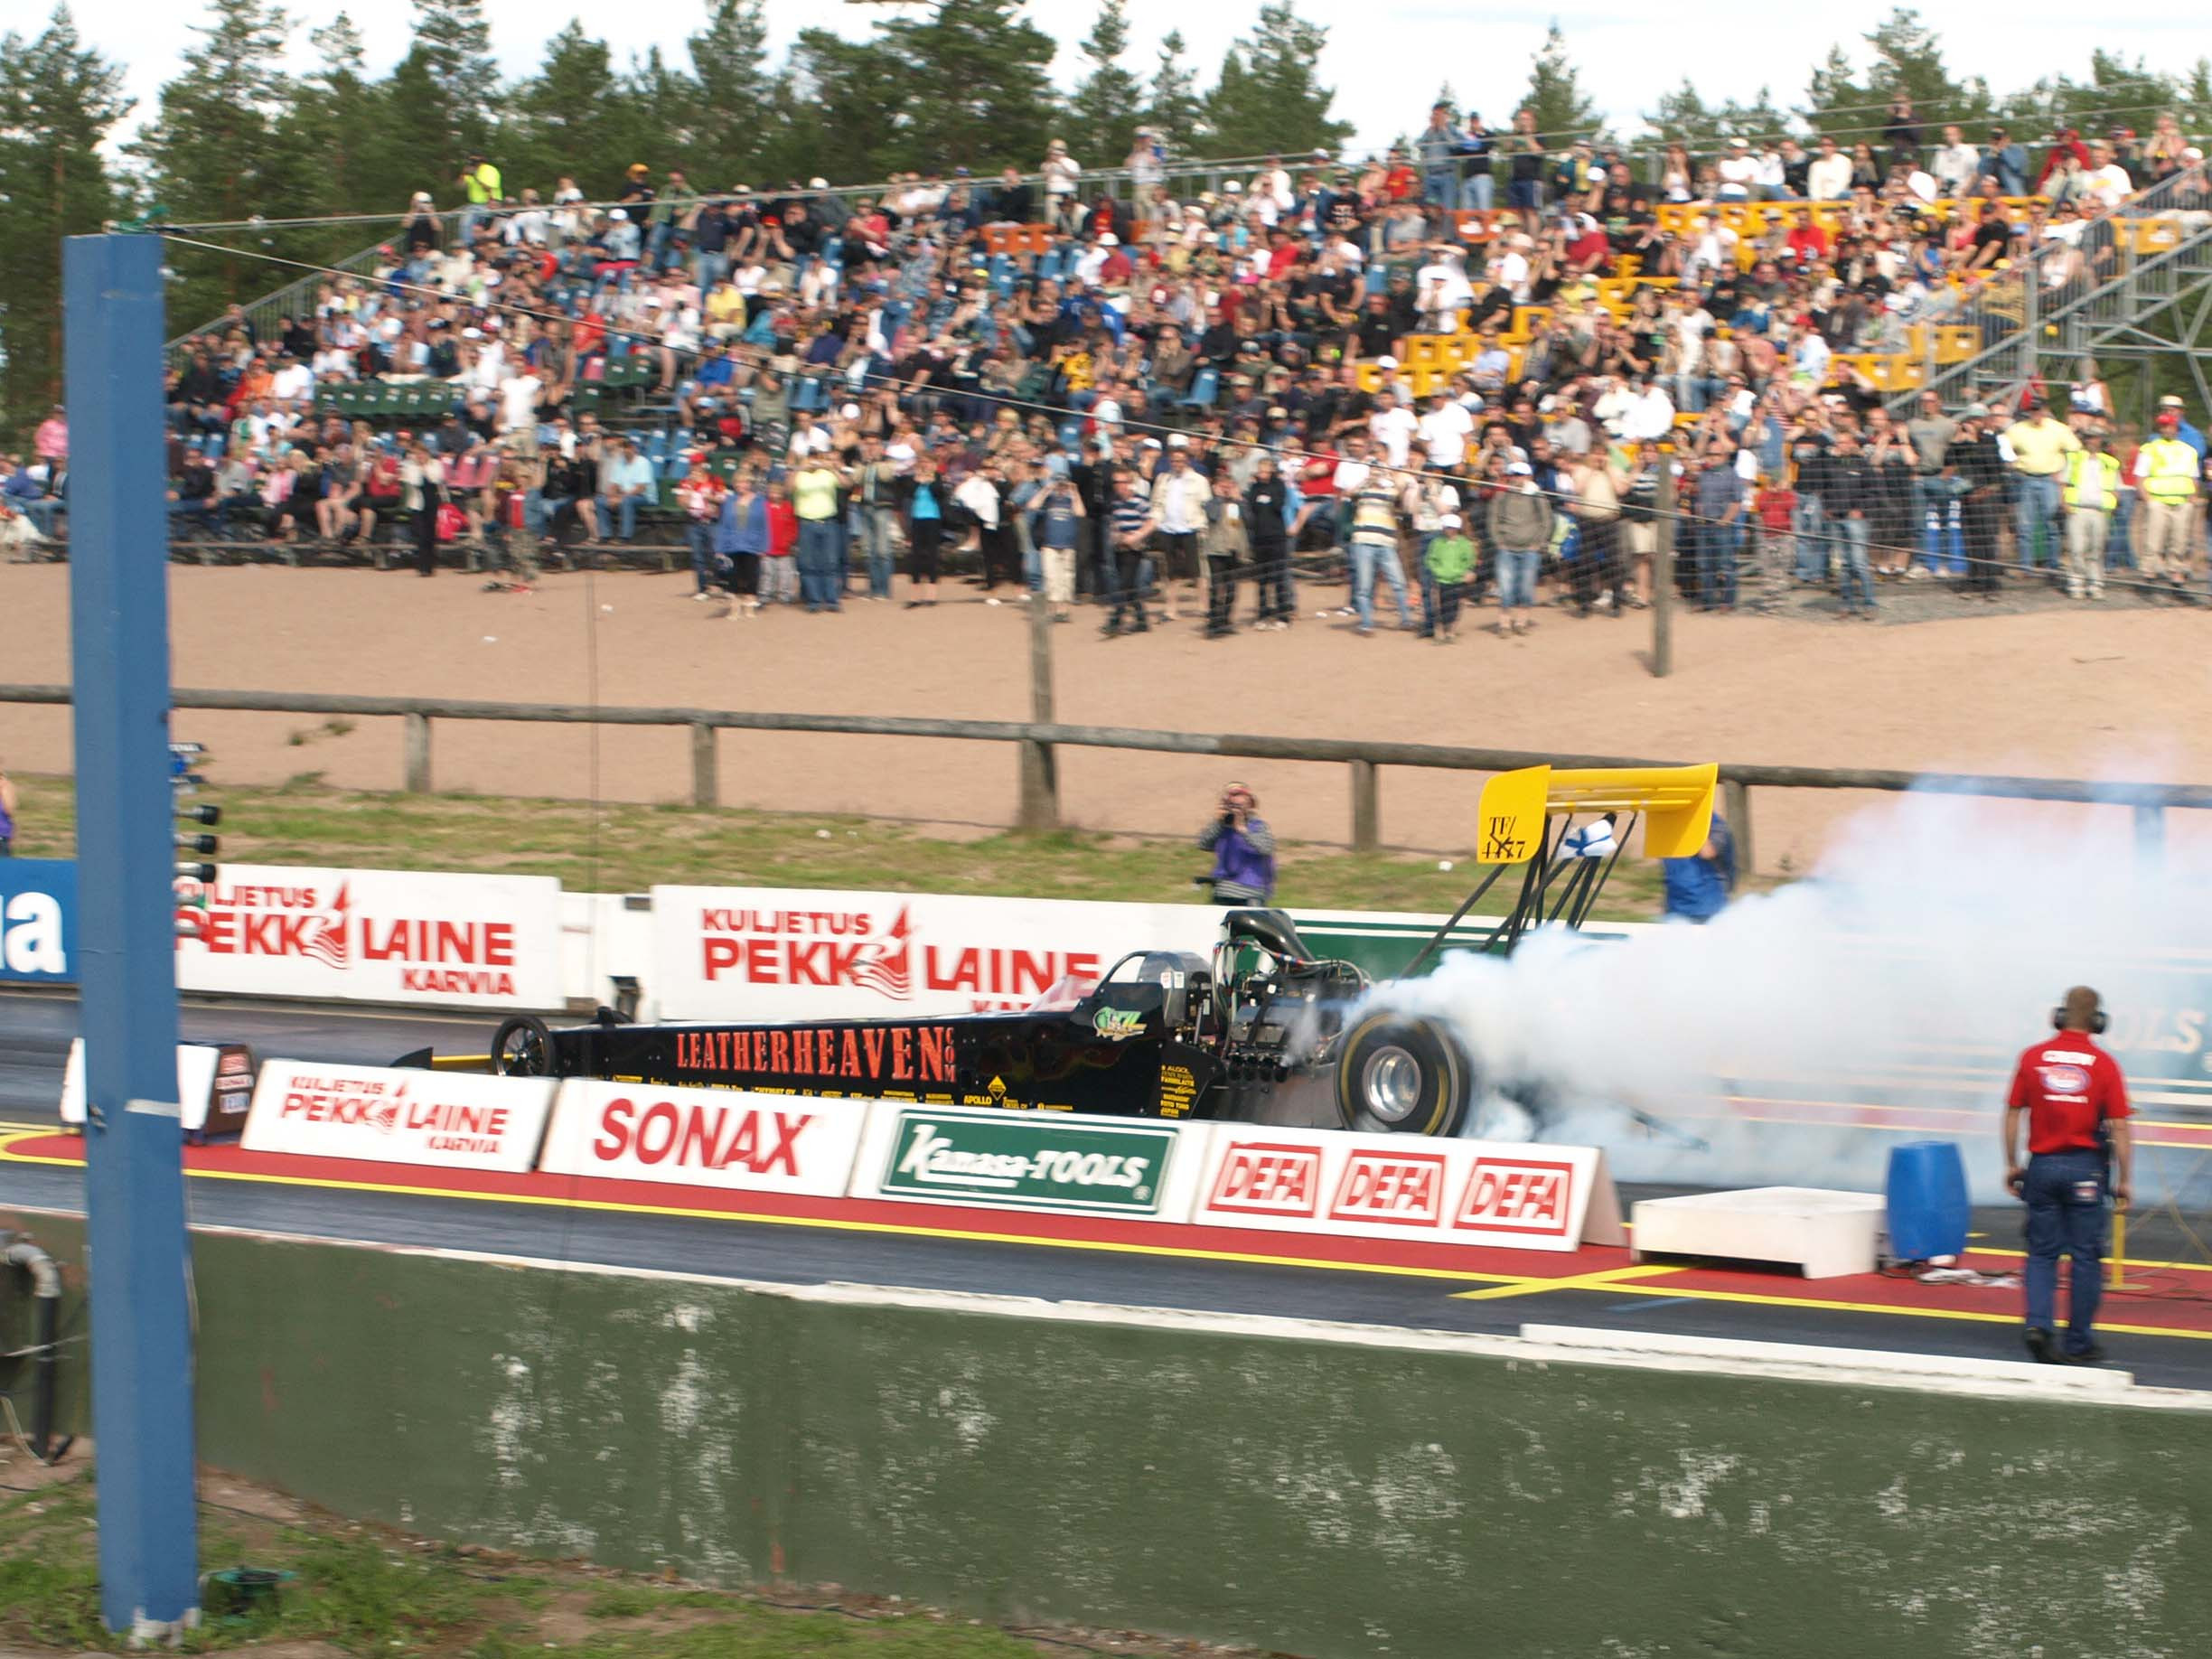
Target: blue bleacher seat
(1202,389)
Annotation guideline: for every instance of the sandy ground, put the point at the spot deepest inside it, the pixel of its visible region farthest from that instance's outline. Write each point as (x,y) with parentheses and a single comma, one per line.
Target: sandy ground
(2120,694)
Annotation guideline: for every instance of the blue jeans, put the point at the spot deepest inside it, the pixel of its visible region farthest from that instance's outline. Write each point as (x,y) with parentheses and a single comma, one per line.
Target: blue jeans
(700,535)
(2037,509)
(1810,524)
(1516,579)
(1478,191)
(708,268)
(1366,557)
(876,524)
(618,511)
(2065,1216)
(1856,576)
(817,564)
(1717,548)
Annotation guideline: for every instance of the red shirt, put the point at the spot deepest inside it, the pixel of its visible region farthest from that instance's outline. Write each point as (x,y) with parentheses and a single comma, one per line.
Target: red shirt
(2068,1085)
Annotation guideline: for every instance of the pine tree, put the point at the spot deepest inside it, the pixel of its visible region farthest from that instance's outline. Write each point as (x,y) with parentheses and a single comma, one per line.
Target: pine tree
(453,42)
(1108,104)
(1173,107)
(58,100)
(571,117)
(981,85)
(1908,58)
(1683,117)
(333,116)
(213,153)
(848,104)
(1269,96)
(732,128)
(1564,112)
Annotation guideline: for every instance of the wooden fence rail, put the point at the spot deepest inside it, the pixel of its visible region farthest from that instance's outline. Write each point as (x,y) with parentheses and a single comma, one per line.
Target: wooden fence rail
(1036,741)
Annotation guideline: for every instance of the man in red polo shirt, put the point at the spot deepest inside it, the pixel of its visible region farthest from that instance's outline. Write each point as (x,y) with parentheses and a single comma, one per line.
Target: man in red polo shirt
(2076,1103)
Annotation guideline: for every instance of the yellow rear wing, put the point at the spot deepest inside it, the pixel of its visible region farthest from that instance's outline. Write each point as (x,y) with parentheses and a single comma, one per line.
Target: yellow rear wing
(1676,802)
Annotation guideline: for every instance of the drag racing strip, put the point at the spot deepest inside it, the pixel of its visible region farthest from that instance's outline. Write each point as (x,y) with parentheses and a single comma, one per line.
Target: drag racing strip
(1489,1276)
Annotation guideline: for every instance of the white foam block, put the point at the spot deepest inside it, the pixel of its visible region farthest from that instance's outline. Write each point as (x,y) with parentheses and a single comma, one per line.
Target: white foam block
(1825,1233)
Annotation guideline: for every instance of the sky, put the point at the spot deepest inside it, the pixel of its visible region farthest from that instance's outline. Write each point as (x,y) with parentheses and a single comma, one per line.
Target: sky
(1627,54)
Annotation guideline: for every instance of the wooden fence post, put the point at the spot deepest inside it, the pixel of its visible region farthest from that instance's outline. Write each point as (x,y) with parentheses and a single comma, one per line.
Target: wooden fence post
(1038,803)
(706,780)
(416,747)
(1366,807)
(1738,795)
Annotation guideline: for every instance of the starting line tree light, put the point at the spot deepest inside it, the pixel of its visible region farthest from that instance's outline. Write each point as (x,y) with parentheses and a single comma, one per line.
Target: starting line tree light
(184,782)
(142,1357)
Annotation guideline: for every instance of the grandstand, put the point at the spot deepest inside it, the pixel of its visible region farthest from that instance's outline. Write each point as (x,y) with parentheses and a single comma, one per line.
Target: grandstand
(1234,306)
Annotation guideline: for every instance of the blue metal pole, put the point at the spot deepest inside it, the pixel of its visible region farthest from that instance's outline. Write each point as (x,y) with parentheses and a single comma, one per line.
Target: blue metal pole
(142,1371)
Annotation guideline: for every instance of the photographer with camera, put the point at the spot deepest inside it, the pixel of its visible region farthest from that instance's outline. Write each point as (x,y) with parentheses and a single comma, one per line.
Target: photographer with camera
(2075,1100)
(1243,849)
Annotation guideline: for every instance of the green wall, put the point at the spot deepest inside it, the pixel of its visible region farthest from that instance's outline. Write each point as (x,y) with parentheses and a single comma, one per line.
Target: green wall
(1317,1497)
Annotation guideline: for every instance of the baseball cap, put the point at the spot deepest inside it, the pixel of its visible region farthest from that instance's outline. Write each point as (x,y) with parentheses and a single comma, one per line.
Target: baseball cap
(1739,143)
(2170,401)
(1110,240)
(1975,411)
(1519,469)
(1386,362)
(1451,520)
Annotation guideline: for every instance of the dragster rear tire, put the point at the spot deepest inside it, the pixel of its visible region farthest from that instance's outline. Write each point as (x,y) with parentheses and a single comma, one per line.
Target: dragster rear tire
(1402,1075)
(522,1047)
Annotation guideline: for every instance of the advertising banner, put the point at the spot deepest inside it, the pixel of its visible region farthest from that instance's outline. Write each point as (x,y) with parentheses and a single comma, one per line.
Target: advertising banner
(778,954)
(1022,1160)
(719,1138)
(453,1121)
(38,920)
(1497,1195)
(404,936)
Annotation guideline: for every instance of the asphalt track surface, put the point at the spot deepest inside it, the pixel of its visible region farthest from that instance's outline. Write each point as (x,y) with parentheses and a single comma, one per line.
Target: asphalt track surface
(2163,1332)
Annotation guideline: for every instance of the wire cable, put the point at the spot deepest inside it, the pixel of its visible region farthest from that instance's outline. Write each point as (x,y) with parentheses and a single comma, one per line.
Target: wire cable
(757,355)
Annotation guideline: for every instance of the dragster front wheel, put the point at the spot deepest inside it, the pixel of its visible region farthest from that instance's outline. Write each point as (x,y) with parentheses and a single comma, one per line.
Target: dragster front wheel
(1401,1075)
(523,1048)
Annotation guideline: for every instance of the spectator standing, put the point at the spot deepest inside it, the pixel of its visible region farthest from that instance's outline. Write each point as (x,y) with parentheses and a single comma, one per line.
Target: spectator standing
(2039,447)
(1062,178)
(1976,471)
(50,443)
(1478,187)
(815,490)
(2005,163)
(480,189)
(1243,849)
(1059,516)
(1131,528)
(1776,506)
(926,500)
(700,496)
(1226,541)
(1451,563)
(1374,547)
(2165,479)
(423,477)
(741,536)
(875,490)
(1595,507)
(779,565)
(1852,503)
(1269,514)
(1930,432)
(1829,178)
(2092,496)
(1520,522)
(1179,497)
(1698,887)
(1718,502)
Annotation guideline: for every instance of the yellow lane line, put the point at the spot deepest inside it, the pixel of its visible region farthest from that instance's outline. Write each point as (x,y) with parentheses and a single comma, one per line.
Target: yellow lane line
(1603,1280)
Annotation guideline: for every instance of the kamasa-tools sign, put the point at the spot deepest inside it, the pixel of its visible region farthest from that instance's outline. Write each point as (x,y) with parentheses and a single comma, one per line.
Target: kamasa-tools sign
(488,941)
(1020,1161)
(704,1137)
(776,953)
(1395,1187)
(453,1121)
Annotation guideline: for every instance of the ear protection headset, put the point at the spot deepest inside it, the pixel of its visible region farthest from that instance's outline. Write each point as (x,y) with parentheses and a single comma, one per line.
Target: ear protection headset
(2097,1020)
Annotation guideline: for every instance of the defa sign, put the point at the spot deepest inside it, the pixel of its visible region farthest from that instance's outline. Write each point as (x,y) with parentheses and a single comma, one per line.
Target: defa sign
(1405,1187)
(1019,1161)
(38,920)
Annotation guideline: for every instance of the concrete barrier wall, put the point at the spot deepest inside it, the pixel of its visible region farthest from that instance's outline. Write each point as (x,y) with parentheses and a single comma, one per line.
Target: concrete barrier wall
(1348,1493)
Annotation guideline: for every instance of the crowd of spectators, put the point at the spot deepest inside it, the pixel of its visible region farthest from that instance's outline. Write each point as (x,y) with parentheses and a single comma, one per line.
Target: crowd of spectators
(1144,400)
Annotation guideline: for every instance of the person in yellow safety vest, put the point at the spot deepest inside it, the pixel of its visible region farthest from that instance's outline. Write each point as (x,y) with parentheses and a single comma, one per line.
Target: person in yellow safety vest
(480,184)
(2092,494)
(2166,480)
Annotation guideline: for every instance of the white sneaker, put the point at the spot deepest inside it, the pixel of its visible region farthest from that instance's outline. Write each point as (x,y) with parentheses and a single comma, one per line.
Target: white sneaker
(990,602)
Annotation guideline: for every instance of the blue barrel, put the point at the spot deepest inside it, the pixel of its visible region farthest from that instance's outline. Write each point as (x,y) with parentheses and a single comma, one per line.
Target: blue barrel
(1928,1211)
